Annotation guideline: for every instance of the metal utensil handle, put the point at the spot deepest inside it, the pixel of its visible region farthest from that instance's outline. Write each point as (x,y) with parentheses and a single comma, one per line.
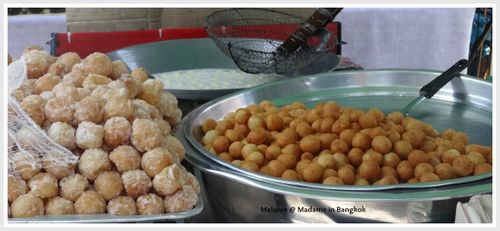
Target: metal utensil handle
(317,21)
(433,86)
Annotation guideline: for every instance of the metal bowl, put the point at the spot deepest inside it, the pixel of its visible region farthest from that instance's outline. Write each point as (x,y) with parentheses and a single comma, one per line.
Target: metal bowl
(464,104)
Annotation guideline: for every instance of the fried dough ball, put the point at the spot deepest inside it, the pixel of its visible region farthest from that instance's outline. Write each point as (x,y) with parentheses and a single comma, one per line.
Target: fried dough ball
(249,165)
(368,120)
(208,125)
(256,157)
(68,60)
(117,131)
(122,206)
(97,63)
(257,136)
(414,137)
(151,91)
(391,159)
(89,135)
(59,206)
(150,204)
(369,171)
(88,110)
(450,155)
(37,63)
(145,135)
(72,186)
(75,77)
(59,109)
(33,105)
(183,200)
(405,170)
(475,157)
(347,175)
(117,108)
(92,81)
(355,156)
(46,83)
(482,168)
(361,181)
(388,171)
(276,168)
(444,171)
(429,177)
(63,134)
(291,175)
(386,180)
(169,180)
(16,187)
(125,158)
(361,141)
(66,90)
(312,172)
(310,143)
(382,144)
(462,166)
(43,185)
(221,144)
(56,164)
(118,68)
(326,161)
(332,180)
(90,202)
(136,182)
(133,87)
(92,162)
(403,149)
(416,157)
(27,205)
(109,184)
(373,156)
(422,168)
(174,146)
(139,74)
(155,160)
(339,146)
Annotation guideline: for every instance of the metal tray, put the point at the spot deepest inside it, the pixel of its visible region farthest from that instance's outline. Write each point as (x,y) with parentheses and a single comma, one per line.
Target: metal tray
(107,218)
(464,104)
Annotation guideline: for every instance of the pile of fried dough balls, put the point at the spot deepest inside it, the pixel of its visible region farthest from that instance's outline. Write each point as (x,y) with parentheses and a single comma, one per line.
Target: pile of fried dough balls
(337,145)
(118,123)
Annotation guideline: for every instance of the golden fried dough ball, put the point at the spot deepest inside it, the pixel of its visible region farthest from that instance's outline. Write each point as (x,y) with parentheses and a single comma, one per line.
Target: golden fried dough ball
(347,175)
(450,155)
(169,180)
(373,156)
(386,180)
(97,63)
(405,170)
(255,122)
(381,144)
(475,157)
(396,117)
(429,177)
(339,126)
(361,141)
(92,162)
(208,125)
(403,149)
(257,136)
(59,109)
(46,83)
(444,171)
(109,184)
(347,136)
(355,156)
(327,173)
(274,122)
(482,168)
(250,166)
(90,202)
(174,146)
(145,135)
(150,204)
(139,74)
(236,148)
(326,161)
(117,131)
(151,91)
(326,140)
(369,171)
(312,172)
(310,143)
(33,105)
(59,206)
(368,120)
(37,63)
(27,205)
(388,171)
(92,81)
(256,157)
(416,157)
(43,185)
(68,60)
(122,206)
(412,181)
(304,129)
(89,135)
(276,168)
(288,160)
(155,160)
(16,187)
(55,164)
(183,200)
(63,134)
(414,137)
(221,144)
(286,137)
(339,146)
(75,77)
(118,69)
(422,168)
(484,150)
(72,186)
(391,159)
(88,109)
(332,180)
(136,182)
(361,181)
(462,166)
(291,175)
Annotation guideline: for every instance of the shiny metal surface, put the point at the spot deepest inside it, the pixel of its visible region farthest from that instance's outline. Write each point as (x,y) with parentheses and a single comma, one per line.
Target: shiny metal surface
(464,104)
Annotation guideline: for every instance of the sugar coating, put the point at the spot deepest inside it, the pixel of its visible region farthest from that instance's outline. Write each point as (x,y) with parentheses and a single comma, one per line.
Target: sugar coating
(117,131)
(146,135)
(59,109)
(43,185)
(122,206)
(90,202)
(125,158)
(181,201)
(150,204)
(89,135)
(73,186)
(59,206)
(92,162)
(136,182)
(27,205)
(34,105)
(63,134)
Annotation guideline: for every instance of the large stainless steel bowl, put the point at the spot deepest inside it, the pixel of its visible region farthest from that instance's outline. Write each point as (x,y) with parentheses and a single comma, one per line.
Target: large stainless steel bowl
(241,196)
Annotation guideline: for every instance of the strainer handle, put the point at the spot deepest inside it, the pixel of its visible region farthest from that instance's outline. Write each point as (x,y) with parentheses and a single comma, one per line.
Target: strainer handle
(317,21)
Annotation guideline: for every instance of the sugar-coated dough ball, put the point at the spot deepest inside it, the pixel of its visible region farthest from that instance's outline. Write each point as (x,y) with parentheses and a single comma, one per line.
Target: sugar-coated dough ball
(16,187)
(92,81)
(139,74)
(34,105)
(164,126)
(43,185)
(59,109)
(133,86)
(155,160)
(168,104)
(169,180)
(68,60)
(193,182)
(56,69)
(117,131)
(90,202)
(82,93)
(25,164)
(89,135)
(46,83)
(119,68)
(182,200)
(109,184)
(57,165)
(73,186)
(146,135)
(117,108)
(88,109)
(149,204)
(37,63)
(143,110)
(75,77)
(92,162)
(122,206)
(63,134)
(136,182)
(151,91)
(125,158)
(59,206)
(66,89)
(174,146)
(27,205)
(97,63)
(47,95)
(175,118)
(116,93)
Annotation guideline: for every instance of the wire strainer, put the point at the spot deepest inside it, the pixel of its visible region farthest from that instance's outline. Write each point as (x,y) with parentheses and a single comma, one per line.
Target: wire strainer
(251,38)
